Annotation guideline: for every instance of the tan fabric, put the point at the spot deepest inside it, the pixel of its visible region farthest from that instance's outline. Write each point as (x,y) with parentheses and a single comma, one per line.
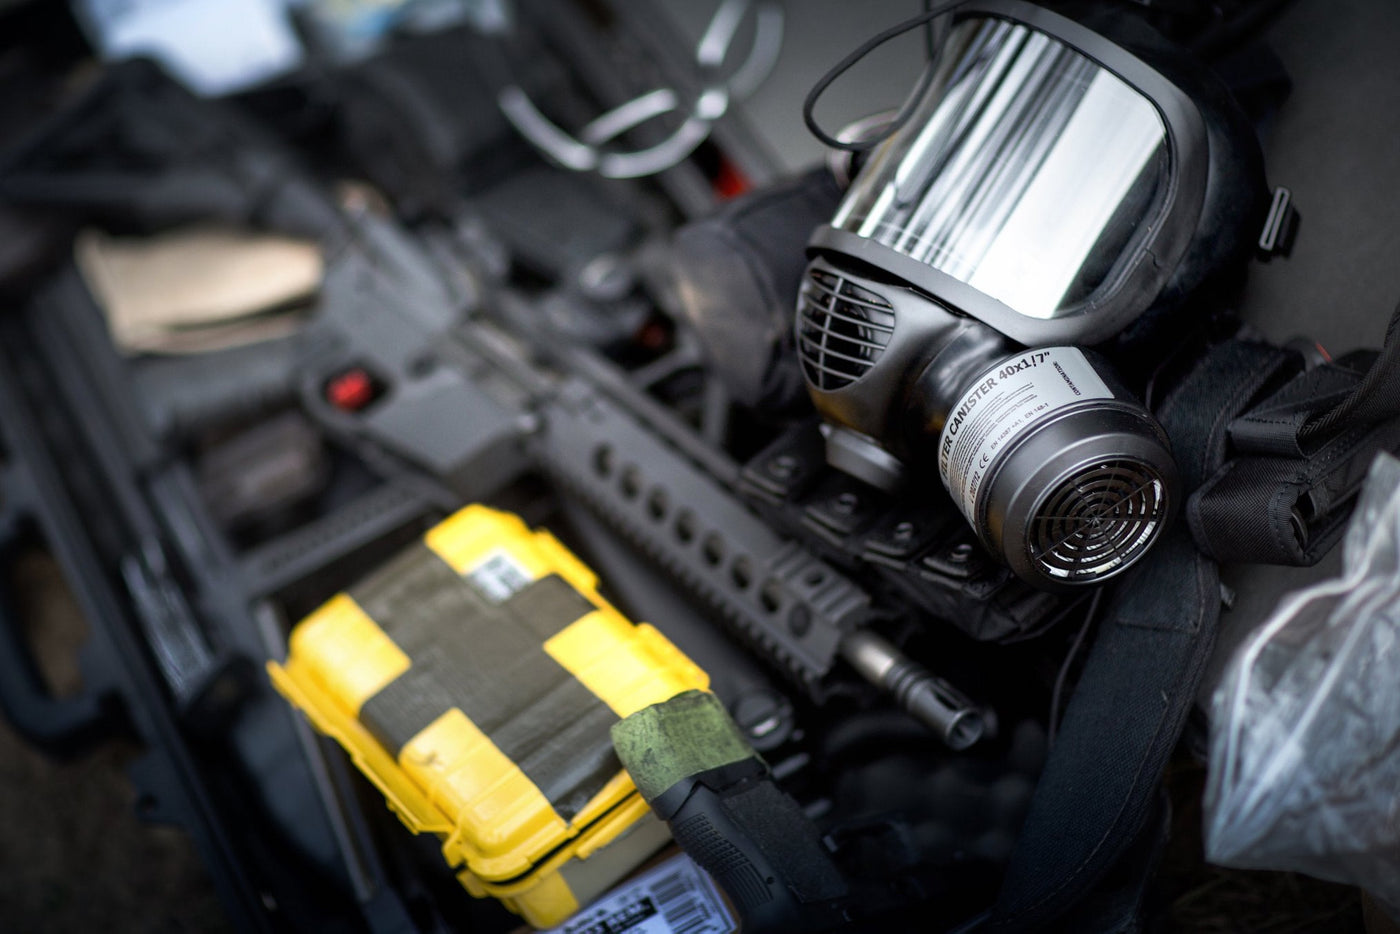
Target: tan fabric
(198,288)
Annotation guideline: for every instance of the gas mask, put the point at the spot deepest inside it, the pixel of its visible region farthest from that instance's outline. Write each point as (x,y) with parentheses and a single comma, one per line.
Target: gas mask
(1050,195)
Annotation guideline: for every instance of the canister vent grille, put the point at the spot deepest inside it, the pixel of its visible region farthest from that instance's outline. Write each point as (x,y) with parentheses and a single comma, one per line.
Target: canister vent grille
(1099,521)
(842,330)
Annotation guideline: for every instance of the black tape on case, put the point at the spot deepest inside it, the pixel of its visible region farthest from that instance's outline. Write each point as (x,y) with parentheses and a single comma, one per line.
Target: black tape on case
(489,662)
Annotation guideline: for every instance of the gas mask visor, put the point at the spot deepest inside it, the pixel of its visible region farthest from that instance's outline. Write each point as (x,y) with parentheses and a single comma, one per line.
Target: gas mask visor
(1046,181)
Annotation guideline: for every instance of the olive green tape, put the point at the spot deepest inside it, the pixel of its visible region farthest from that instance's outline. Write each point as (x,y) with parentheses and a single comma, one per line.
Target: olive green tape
(489,662)
(662,744)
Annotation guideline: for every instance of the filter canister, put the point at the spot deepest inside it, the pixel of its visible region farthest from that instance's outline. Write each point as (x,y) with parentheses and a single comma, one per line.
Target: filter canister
(1064,476)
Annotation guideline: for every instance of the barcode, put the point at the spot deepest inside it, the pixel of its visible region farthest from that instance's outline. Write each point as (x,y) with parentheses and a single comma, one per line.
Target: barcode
(684,907)
(499,577)
(625,918)
(675,897)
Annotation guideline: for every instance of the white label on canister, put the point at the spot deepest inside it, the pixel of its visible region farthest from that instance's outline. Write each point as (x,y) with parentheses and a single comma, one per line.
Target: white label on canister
(1003,403)
(674,898)
(499,577)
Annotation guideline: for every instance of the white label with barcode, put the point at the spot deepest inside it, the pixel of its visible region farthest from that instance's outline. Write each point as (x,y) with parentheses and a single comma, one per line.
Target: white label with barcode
(676,897)
(499,577)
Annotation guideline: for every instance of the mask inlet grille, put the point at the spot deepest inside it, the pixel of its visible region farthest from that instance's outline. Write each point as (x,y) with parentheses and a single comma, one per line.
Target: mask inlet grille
(842,330)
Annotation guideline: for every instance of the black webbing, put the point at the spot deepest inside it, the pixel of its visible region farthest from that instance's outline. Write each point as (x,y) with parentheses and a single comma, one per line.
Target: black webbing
(1299,459)
(1139,681)
(1376,398)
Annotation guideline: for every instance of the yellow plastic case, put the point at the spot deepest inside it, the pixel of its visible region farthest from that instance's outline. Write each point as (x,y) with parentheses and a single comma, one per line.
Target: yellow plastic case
(486,655)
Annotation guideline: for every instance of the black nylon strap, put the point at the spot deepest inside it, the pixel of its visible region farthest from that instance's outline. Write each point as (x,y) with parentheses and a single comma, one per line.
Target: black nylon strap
(1275,426)
(1377,398)
(1284,510)
(1140,678)
(1302,456)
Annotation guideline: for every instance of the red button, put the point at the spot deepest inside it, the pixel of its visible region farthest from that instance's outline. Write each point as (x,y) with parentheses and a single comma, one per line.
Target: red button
(729,182)
(351,391)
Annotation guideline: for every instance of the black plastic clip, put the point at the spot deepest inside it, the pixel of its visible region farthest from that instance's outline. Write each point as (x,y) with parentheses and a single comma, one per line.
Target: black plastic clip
(1280,226)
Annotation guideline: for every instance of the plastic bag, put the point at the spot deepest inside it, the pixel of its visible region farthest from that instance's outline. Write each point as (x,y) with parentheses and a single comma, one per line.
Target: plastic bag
(1305,734)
